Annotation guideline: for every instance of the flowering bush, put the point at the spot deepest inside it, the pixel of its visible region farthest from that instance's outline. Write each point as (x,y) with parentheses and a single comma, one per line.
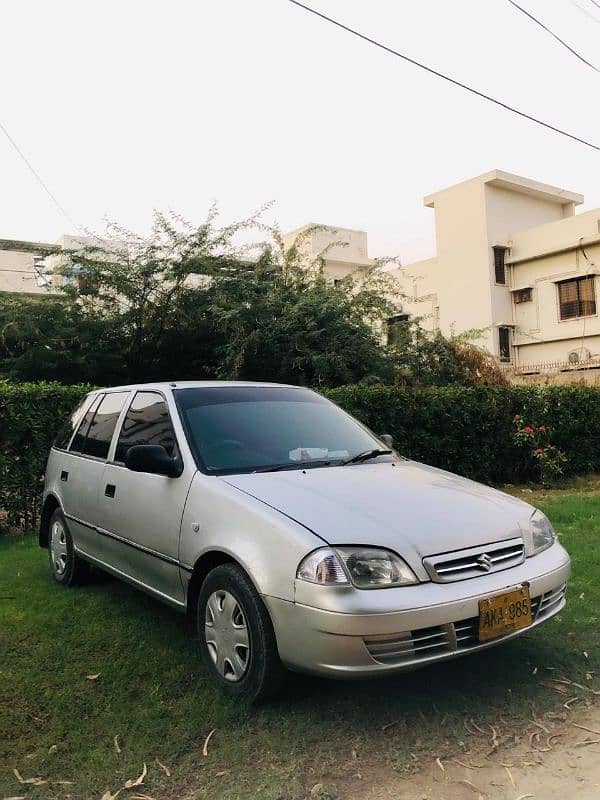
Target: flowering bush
(537,440)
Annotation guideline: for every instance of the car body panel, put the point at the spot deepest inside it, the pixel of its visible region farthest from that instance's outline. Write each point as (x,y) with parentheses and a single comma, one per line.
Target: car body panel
(405,506)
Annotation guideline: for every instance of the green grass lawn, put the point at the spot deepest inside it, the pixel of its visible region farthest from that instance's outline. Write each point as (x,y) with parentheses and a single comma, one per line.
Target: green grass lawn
(154,694)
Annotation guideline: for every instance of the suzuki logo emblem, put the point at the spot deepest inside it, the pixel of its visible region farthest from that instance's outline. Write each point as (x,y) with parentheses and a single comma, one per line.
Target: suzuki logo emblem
(484,562)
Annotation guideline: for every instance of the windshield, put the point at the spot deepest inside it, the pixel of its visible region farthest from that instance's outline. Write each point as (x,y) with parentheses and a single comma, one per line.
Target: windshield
(248,428)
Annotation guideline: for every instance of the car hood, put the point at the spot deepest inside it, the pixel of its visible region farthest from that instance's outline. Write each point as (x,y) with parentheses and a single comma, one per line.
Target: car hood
(411,508)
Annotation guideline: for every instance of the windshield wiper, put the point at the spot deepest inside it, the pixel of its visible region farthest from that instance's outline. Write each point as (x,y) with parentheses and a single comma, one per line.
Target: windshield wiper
(368,454)
(322,462)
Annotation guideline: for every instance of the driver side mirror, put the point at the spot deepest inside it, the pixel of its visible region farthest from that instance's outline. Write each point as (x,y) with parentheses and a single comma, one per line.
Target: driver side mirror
(388,439)
(153,458)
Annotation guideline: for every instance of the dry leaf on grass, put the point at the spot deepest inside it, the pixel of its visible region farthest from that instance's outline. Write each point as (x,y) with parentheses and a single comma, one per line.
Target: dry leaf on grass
(440,765)
(93,677)
(142,797)
(15,797)
(471,786)
(108,795)
(583,728)
(523,796)
(467,766)
(117,746)
(510,777)
(28,781)
(206,741)
(165,769)
(130,784)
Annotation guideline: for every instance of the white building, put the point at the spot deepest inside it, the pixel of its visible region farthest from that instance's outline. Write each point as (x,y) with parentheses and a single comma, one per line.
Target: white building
(514,261)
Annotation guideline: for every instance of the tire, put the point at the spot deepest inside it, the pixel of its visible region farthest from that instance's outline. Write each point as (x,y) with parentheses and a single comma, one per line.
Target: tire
(67,567)
(236,636)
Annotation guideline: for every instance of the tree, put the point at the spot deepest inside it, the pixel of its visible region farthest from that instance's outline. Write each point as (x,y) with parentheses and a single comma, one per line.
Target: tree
(187,302)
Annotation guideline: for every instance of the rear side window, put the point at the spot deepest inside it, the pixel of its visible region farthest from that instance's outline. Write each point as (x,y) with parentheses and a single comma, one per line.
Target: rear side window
(66,432)
(146,422)
(103,424)
(79,438)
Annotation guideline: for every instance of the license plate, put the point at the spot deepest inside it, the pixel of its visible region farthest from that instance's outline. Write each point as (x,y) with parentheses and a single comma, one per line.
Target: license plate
(504,613)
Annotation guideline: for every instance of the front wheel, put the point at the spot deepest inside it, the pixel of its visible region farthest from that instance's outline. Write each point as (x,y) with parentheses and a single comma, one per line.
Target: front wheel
(236,635)
(67,568)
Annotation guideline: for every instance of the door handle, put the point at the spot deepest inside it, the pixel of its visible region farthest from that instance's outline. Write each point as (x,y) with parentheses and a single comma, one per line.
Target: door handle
(110,490)
(64,475)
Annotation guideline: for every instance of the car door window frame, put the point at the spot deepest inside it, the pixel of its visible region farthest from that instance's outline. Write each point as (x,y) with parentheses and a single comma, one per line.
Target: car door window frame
(94,406)
(126,394)
(113,450)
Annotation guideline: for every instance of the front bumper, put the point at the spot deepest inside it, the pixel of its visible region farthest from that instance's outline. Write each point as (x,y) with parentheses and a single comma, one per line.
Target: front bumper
(381,632)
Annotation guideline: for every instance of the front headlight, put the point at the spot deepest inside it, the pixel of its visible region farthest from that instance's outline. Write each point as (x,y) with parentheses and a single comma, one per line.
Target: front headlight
(540,534)
(365,567)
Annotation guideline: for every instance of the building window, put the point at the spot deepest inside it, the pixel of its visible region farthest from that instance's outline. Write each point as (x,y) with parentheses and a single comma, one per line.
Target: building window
(504,343)
(522,295)
(577,298)
(499,265)
(396,328)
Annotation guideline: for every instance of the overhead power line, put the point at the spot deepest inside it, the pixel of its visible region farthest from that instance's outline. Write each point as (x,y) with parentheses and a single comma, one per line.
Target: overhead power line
(444,77)
(36,175)
(554,35)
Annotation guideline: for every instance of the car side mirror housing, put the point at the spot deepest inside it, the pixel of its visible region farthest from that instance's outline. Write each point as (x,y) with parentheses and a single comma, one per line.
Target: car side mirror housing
(153,458)
(388,439)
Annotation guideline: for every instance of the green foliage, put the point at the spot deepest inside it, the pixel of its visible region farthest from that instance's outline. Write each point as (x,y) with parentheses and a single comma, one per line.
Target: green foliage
(536,440)
(469,430)
(30,416)
(431,359)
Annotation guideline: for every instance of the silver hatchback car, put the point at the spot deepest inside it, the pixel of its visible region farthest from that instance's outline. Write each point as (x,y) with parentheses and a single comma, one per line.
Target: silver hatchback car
(294,536)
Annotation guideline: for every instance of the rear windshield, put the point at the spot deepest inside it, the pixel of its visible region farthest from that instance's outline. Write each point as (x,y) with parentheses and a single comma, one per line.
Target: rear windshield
(246,428)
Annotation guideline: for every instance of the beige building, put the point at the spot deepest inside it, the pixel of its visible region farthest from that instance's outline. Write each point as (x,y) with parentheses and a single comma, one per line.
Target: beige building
(24,266)
(344,249)
(516,262)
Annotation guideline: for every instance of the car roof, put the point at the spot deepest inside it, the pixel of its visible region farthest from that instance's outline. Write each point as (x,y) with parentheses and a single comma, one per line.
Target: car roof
(166,385)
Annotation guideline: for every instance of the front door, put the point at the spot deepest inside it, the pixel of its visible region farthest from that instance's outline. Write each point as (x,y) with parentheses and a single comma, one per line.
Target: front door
(141,512)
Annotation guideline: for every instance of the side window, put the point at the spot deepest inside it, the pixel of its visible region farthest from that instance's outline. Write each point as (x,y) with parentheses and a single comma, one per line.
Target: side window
(79,438)
(146,422)
(66,432)
(103,424)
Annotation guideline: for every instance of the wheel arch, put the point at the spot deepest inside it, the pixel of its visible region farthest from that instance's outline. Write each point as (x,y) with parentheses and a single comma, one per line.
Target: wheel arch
(51,503)
(204,564)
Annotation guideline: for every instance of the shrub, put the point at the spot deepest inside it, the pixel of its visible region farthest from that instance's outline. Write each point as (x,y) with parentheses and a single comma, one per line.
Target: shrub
(469,431)
(30,416)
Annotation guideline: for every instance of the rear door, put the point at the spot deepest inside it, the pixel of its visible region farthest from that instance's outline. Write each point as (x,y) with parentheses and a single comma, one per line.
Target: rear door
(141,513)
(81,470)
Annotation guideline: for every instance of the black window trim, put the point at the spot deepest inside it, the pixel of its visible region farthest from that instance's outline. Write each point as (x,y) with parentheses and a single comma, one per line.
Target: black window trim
(137,390)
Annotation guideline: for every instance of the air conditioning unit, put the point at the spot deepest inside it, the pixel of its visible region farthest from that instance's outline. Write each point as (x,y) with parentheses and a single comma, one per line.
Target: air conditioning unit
(579,356)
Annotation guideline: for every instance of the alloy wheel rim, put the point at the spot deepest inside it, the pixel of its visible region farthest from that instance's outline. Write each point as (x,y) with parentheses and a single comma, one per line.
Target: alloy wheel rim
(58,548)
(226,634)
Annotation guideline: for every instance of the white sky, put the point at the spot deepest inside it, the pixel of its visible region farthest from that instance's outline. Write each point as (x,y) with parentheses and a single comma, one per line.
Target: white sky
(128,105)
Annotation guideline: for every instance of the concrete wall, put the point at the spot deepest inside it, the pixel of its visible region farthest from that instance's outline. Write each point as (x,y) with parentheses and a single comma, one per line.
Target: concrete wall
(345,249)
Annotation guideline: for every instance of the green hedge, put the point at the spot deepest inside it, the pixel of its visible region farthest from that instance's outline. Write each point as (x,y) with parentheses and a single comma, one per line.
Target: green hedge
(469,430)
(465,430)
(30,416)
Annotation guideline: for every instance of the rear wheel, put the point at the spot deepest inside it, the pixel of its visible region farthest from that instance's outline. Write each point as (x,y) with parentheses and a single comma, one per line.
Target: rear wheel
(236,635)
(67,568)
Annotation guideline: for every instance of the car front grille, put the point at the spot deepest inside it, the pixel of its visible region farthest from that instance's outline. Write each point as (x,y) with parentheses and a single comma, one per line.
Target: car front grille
(475,561)
(419,645)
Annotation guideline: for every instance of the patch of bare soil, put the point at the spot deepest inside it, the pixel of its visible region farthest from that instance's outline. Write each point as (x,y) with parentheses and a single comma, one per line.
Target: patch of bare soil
(554,757)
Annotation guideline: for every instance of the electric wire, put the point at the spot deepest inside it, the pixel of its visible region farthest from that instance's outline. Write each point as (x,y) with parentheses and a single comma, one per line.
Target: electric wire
(447,78)
(554,35)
